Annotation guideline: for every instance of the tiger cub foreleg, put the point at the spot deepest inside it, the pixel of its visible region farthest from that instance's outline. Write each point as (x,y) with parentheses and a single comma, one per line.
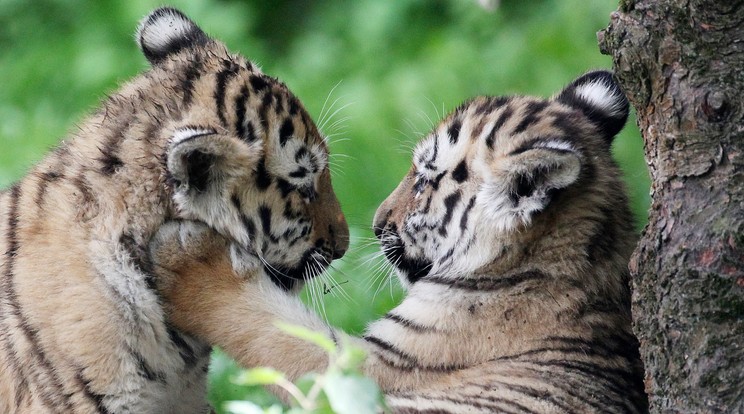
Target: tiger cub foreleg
(190,259)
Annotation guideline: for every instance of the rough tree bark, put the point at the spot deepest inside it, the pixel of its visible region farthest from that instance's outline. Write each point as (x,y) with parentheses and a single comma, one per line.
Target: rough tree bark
(681,62)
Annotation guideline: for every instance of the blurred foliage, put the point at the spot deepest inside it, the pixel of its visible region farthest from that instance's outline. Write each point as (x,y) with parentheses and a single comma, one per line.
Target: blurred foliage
(341,389)
(385,69)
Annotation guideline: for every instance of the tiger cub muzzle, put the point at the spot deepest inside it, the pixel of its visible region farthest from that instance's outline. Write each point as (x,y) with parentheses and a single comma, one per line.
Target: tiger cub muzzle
(394,248)
(327,238)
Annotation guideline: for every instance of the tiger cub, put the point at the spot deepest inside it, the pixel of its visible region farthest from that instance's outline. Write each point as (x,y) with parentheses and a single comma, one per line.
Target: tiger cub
(202,135)
(512,234)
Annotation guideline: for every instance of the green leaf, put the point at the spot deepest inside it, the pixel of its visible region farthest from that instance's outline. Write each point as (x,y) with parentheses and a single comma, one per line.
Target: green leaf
(316,338)
(306,382)
(352,394)
(260,376)
(351,358)
(242,407)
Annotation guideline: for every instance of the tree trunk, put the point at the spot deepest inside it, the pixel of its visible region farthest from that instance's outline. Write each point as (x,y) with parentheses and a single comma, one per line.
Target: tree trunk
(681,63)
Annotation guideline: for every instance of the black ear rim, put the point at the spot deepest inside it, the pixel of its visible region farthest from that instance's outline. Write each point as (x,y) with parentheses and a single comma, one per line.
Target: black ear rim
(194,37)
(609,124)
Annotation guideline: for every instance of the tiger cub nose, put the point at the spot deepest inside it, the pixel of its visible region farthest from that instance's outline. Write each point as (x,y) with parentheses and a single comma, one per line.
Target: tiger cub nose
(338,252)
(378,229)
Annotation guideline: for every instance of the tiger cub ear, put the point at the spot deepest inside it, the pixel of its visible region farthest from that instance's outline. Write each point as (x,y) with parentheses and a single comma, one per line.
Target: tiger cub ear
(528,179)
(204,168)
(600,98)
(166,31)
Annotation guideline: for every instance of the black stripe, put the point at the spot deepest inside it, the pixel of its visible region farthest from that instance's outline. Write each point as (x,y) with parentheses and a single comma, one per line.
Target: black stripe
(193,72)
(109,159)
(460,173)
(628,393)
(469,400)
(503,117)
(259,83)
(12,251)
(250,132)
(300,172)
(285,187)
(263,178)
(409,324)
(45,178)
(447,255)
(230,69)
(410,361)
(110,163)
(568,124)
(240,103)
(569,384)
(616,379)
(427,205)
(250,226)
(466,214)
(612,345)
(140,258)
(86,203)
(387,346)
(264,214)
(491,104)
(263,111)
(489,284)
(294,105)
(435,182)
(286,131)
(454,131)
(29,332)
(279,107)
(532,114)
(405,367)
(184,350)
(435,152)
(96,398)
(450,203)
(537,394)
(145,370)
(22,388)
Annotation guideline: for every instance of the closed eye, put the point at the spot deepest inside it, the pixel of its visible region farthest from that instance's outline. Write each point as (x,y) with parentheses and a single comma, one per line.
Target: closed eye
(420,185)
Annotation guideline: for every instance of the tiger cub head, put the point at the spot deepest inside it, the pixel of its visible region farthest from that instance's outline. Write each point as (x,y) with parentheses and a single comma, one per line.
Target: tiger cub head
(242,154)
(503,182)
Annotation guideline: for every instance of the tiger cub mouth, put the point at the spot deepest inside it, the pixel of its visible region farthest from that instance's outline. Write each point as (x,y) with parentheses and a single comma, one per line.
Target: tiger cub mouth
(313,263)
(413,269)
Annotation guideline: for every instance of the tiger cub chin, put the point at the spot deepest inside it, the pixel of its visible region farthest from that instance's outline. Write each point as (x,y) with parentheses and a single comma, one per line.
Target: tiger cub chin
(512,234)
(201,135)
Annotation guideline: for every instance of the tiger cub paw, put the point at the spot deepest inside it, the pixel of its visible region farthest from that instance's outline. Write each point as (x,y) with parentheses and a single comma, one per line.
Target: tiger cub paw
(188,257)
(179,242)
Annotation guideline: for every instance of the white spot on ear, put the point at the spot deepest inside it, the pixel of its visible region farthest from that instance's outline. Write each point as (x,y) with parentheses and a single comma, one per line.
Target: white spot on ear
(162,32)
(166,31)
(603,97)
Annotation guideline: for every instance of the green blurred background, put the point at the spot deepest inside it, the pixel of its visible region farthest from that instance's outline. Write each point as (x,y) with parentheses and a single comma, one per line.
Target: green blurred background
(386,69)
